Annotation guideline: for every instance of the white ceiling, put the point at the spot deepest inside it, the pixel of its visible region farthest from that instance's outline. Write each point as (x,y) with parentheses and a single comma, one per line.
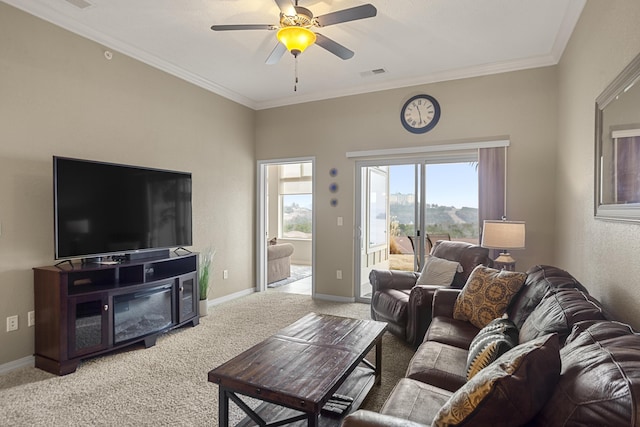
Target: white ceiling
(414,41)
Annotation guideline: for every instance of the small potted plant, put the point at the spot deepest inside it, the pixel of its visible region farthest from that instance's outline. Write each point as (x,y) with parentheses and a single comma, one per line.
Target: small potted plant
(203,278)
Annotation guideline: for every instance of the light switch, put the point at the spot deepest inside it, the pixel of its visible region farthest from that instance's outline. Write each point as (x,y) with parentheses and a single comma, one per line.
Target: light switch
(339,221)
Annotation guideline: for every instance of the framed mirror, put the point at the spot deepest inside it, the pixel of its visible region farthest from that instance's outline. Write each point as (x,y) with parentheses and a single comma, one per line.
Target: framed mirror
(617,147)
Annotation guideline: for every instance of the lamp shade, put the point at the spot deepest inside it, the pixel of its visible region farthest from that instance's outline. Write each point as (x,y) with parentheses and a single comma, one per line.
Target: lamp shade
(296,38)
(503,234)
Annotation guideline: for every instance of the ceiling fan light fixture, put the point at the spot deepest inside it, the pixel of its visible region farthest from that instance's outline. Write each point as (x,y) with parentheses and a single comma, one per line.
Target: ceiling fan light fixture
(296,39)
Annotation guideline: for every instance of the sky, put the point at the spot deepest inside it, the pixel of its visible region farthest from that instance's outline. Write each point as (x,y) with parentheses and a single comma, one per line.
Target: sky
(448,184)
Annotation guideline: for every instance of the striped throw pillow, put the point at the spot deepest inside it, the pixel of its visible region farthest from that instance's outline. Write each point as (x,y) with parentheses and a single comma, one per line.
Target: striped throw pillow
(495,339)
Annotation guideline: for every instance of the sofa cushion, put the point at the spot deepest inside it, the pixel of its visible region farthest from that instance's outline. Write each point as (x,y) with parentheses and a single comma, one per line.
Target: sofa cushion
(508,392)
(540,279)
(600,381)
(440,365)
(363,417)
(558,311)
(495,339)
(415,401)
(486,295)
(438,271)
(445,330)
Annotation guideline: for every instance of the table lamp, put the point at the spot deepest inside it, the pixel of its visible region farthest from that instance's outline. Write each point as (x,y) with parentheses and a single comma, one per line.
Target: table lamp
(503,235)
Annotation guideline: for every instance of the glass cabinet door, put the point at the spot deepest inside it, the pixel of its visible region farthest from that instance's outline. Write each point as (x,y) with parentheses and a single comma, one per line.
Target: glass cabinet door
(88,328)
(187,297)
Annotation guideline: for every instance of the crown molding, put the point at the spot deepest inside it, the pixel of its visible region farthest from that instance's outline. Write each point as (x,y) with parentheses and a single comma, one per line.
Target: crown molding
(48,14)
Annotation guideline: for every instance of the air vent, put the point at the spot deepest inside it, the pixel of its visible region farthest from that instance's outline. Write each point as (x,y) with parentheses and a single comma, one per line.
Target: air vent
(373,72)
(81,4)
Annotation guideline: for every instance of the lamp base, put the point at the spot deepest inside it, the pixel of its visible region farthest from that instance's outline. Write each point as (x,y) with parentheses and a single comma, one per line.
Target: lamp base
(505,262)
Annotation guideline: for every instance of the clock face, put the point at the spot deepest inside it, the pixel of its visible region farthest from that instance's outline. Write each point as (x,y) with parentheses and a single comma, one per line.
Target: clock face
(420,114)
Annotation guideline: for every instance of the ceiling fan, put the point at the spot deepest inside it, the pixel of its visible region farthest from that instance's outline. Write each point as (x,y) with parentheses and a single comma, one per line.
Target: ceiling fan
(294,30)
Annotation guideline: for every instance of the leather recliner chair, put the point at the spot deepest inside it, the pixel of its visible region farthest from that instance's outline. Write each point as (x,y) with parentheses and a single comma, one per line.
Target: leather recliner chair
(405,306)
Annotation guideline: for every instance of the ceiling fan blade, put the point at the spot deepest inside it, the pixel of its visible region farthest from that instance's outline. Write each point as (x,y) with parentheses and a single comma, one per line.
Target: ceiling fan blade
(276,54)
(243,27)
(333,47)
(286,7)
(345,15)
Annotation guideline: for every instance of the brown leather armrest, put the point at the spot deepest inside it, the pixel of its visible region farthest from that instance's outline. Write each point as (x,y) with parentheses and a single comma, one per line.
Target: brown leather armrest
(419,312)
(444,299)
(361,418)
(392,279)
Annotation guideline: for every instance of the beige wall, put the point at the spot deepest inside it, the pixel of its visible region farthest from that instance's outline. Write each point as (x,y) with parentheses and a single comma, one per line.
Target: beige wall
(602,255)
(60,96)
(519,105)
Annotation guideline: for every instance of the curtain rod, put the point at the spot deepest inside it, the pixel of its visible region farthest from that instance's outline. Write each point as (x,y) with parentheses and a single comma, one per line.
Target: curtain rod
(428,149)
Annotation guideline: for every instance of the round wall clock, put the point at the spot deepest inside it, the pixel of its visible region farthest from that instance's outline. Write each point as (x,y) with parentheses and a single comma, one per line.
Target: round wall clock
(420,114)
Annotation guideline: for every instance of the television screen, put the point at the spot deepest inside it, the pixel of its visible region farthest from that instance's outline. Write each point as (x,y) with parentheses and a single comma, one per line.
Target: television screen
(106,209)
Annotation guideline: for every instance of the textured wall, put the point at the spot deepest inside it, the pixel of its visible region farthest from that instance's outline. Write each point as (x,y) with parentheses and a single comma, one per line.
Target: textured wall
(602,255)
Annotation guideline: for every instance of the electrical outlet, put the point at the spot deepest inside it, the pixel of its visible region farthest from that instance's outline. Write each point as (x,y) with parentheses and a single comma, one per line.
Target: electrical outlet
(12,323)
(225,274)
(339,274)
(31,318)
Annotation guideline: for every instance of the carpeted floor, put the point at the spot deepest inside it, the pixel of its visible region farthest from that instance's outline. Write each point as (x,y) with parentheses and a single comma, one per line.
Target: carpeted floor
(167,384)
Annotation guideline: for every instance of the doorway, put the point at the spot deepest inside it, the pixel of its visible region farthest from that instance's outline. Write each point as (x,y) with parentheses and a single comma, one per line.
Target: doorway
(407,205)
(286,225)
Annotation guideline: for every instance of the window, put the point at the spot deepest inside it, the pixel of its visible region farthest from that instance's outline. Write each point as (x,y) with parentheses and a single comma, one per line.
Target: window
(451,204)
(378,203)
(451,200)
(296,201)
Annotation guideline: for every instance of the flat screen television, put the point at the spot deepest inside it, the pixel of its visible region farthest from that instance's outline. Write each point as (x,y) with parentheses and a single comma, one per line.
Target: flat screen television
(105,209)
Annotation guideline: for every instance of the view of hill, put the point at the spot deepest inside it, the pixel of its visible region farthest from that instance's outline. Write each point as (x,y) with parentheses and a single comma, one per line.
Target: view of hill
(297,221)
(458,222)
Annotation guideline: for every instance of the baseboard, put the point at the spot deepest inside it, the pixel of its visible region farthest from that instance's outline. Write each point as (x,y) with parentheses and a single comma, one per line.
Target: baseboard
(334,298)
(25,362)
(230,297)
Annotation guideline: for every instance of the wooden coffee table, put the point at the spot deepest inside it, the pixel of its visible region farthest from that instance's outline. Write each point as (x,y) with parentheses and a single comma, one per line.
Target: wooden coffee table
(297,370)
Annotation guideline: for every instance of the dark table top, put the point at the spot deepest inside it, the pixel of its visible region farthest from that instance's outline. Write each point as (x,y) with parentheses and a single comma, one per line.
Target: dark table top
(302,364)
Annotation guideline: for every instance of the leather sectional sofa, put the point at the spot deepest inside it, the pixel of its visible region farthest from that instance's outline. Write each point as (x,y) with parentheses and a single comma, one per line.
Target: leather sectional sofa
(571,364)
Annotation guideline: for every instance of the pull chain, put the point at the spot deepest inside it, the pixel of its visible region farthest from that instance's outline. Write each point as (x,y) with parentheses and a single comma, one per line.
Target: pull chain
(295,81)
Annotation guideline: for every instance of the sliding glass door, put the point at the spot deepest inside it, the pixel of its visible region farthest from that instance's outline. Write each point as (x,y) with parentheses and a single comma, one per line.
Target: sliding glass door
(407,205)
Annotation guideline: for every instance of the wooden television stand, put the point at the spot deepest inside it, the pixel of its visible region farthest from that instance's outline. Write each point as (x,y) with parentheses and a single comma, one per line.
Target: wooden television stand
(83,310)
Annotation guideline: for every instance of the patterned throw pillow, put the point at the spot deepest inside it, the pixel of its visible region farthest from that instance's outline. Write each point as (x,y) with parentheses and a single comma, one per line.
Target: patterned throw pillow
(438,271)
(495,339)
(486,295)
(510,391)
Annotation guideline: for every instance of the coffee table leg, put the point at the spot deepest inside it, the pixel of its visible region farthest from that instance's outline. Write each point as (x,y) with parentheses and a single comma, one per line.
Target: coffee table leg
(313,420)
(223,408)
(379,361)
